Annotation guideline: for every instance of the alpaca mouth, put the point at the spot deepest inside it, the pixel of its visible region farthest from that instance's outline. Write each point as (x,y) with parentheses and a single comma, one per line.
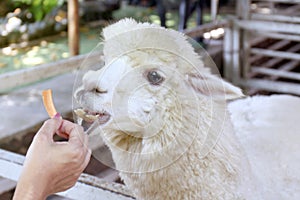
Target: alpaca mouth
(89,117)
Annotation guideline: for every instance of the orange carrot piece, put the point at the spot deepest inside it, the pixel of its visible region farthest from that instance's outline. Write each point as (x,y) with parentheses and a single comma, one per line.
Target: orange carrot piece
(48,103)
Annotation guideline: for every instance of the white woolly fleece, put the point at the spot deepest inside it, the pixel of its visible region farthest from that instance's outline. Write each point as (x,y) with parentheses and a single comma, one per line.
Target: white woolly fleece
(232,170)
(127,35)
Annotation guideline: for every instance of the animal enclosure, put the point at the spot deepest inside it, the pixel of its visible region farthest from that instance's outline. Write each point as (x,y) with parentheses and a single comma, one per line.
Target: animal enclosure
(261,47)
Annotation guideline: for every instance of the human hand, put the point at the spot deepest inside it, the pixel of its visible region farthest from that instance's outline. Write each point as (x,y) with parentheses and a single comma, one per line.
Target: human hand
(50,166)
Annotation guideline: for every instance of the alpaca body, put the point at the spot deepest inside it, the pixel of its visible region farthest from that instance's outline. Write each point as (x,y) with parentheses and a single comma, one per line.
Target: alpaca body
(222,173)
(168,126)
(194,177)
(268,129)
(265,137)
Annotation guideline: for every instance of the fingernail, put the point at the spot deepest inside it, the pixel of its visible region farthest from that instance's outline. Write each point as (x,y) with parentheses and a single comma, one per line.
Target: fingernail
(57,116)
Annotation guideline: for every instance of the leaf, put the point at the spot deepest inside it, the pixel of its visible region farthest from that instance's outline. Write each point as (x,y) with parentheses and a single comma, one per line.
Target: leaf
(37,12)
(49,5)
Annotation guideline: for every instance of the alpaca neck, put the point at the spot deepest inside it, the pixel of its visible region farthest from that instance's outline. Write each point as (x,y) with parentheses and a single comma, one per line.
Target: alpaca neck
(234,162)
(218,175)
(215,168)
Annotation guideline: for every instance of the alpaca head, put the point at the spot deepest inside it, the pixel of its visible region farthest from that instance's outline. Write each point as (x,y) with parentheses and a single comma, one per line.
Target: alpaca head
(153,90)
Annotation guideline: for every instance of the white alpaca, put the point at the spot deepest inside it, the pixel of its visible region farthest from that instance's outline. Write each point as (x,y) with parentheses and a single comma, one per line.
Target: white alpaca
(164,117)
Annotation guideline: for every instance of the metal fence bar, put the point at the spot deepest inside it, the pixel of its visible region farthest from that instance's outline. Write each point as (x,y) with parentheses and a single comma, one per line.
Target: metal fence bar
(280,18)
(279,54)
(227,54)
(268,26)
(198,31)
(281,1)
(275,46)
(274,72)
(273,86)
(279,36)
(236,68)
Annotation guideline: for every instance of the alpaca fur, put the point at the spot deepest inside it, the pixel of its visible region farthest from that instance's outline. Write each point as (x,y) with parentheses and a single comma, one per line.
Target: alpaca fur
(268,132)
(194,153)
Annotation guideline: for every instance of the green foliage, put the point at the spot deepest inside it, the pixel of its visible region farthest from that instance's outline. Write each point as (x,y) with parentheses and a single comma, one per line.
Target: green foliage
(38,8)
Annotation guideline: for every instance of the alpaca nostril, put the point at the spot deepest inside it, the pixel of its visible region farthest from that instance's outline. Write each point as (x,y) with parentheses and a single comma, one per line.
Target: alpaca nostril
(79,95)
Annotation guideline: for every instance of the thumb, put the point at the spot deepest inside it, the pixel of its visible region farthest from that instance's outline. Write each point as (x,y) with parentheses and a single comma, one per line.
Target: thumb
(50,126)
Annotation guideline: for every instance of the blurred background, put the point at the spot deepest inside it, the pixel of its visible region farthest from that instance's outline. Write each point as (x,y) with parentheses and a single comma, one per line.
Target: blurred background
(34,32)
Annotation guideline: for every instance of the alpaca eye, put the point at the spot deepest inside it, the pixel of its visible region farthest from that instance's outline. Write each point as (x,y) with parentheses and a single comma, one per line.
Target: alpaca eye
(154,78)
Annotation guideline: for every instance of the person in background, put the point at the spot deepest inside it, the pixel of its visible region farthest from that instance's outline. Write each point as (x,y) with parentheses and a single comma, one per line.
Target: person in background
(51,166)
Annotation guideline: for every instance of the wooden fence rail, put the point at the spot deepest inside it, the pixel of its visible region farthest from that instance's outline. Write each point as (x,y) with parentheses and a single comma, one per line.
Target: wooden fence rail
(22,77)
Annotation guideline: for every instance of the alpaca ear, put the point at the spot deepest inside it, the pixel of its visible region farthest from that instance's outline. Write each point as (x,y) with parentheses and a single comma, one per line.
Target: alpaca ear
(213,86)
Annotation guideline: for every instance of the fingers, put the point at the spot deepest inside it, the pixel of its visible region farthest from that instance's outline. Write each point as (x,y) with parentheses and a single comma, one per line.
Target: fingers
(77,138)
(49,127)
(63,135)
(65,129)
(75,133)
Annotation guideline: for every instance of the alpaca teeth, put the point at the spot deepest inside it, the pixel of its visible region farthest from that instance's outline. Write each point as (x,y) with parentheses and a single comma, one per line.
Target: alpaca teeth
(87,117)
(80,113)
(92,117)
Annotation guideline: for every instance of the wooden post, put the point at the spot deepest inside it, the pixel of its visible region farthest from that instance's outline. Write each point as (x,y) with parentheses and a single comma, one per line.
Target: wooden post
(214,9)
(73,27)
